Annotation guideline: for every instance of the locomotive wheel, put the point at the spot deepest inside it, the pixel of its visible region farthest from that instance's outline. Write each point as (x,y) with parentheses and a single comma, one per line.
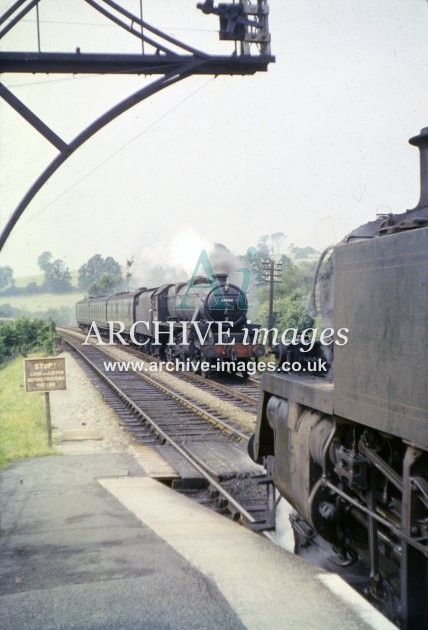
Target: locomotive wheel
(250,447)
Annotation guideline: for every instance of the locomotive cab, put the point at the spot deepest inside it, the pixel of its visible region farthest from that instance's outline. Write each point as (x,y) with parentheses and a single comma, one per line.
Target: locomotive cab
(350,452)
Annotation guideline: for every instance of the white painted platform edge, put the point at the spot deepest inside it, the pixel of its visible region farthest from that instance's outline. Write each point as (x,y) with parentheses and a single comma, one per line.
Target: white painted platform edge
(367,612)
(265,585)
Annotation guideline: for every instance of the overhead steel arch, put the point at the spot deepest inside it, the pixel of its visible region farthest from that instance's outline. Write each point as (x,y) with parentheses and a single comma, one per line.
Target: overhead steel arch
(66,150)
(168,56)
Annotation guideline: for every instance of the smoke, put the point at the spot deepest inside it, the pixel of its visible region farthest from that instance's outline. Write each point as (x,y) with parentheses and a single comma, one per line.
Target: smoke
(167,261)
(224,261)
(175,260)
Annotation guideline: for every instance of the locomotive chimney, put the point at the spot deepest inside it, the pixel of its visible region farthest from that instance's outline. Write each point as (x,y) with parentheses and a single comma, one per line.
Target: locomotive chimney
(221,278)
(421,141)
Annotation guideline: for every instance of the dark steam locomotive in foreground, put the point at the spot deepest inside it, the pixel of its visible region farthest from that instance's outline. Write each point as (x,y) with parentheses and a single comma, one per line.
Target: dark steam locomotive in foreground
(349,451)
(204,323)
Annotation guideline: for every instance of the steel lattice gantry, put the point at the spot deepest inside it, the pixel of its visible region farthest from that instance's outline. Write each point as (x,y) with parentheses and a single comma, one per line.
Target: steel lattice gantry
(243,22)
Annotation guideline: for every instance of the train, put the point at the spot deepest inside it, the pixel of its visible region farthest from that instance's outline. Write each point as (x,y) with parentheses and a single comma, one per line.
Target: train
(348,449)
(202,323)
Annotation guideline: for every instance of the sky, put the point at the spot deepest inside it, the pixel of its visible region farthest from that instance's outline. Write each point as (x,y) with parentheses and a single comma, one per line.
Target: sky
(312,148)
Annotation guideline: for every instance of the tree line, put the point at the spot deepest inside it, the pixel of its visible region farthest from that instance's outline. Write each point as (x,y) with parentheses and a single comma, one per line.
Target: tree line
(103,276)
(98,276)
(292,288)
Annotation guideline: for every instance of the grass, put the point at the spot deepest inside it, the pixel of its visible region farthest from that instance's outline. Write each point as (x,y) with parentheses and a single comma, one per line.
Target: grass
(41,301)
(22,416)
(22,281)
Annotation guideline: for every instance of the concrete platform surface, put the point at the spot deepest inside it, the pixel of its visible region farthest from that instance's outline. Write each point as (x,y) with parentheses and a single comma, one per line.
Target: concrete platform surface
(90,542)
(73,558)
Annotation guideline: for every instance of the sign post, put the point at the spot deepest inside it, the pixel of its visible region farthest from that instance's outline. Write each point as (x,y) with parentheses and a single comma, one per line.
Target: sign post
(48,419)
(45,375)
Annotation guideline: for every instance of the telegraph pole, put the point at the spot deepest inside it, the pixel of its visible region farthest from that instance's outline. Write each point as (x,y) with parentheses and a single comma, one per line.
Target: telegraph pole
(271,274)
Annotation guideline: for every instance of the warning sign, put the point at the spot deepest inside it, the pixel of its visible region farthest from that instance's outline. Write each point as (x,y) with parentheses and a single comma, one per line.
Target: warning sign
(44,375)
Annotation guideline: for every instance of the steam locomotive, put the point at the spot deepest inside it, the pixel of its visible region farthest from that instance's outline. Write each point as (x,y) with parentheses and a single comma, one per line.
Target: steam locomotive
(203,321)
(348,450)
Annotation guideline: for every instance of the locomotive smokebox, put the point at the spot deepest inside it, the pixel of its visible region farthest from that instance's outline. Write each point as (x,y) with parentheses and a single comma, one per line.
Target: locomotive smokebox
(421,141)
(220,277)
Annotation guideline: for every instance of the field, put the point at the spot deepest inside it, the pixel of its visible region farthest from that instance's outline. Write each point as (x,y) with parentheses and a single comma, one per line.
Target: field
(41,301)
(22,281)
(22,417)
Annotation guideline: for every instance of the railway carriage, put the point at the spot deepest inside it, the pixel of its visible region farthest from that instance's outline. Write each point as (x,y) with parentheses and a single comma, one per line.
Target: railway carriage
(93,310)
(83,314)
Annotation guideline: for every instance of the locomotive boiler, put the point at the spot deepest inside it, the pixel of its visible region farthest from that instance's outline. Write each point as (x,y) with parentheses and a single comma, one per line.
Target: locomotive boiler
(349,451)
(203,321)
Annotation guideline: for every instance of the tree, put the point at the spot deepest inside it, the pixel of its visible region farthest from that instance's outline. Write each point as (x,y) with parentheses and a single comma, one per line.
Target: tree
(23,335)
(6,277)
(90,271)
(99,275)
(264,252)
(106,284)
(44,261)
(291,297)
(302,252)
(57,277)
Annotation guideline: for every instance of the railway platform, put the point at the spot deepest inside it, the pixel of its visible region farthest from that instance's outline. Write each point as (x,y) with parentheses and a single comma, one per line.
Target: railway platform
(93,542)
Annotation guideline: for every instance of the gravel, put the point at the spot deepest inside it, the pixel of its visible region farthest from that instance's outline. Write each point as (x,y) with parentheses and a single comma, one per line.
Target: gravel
(240,417)
(83,422)
(105,420)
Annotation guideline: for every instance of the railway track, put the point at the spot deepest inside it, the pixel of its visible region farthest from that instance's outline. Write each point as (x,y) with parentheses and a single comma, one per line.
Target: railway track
(231,388)
(243,395)
(156,414)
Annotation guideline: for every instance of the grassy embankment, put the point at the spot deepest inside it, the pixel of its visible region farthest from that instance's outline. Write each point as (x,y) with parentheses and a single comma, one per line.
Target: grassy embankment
(41,301)
(22,281)
(38,304)
(22,416)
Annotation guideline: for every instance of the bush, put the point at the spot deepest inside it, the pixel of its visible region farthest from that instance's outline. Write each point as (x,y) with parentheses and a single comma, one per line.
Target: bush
(23,335)
(290,308)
